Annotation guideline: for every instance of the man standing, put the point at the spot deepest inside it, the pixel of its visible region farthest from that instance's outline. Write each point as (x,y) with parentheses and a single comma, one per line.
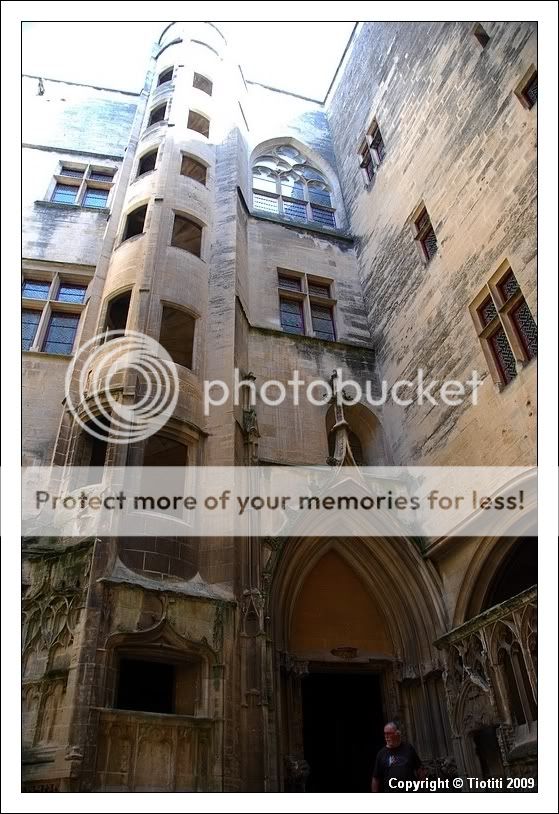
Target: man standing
(396,760)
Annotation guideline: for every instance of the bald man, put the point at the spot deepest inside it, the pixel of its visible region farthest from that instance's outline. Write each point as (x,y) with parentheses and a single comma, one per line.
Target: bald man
(397,760)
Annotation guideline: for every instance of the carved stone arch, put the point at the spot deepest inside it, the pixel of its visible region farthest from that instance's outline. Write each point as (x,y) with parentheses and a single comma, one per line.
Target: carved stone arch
(314,159)
(391,569)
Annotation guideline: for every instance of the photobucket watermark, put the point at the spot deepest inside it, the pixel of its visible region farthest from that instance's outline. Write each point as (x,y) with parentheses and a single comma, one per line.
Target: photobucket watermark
(347,392)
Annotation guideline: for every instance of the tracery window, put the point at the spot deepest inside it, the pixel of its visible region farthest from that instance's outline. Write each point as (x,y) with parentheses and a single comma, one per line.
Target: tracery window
(284,183)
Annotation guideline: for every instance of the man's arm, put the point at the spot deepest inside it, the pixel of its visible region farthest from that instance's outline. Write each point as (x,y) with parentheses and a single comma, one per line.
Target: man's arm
(375,784)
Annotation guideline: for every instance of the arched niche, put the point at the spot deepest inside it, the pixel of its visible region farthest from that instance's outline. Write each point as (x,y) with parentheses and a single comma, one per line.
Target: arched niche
(334,613)
(366,435)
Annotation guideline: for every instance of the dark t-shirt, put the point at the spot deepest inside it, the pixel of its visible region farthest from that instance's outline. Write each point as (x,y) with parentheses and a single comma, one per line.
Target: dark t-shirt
(400,763)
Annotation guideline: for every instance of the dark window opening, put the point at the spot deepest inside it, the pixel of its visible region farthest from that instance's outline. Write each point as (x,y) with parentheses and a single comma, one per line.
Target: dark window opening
(193,169)
(96,175)
(71,173)
(481,35)
(157,114)
(202,83)
(61,333)
(29,324)
(165,76)
(319,289)
(377,145)
(187,235)
(92,451)
(117,314)
(147,163)
(488,752)
(518,573)
(426,234)
(163,451)
(135,222)
(146,686)
(198,123)
(291,316)
(291,283)
(531,91)
(177,335)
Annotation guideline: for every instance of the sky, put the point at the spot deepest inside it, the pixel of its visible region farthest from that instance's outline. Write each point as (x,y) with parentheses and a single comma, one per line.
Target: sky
(300,57)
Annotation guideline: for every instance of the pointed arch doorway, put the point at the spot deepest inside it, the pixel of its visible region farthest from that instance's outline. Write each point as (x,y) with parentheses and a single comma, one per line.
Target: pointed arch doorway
(339,633)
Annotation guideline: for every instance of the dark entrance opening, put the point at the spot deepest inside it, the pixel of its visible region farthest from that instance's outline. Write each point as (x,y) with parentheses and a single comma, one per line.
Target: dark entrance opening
(342,730)
(146,686)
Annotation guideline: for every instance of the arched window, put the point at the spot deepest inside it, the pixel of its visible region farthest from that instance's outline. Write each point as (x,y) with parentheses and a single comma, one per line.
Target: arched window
(285,183)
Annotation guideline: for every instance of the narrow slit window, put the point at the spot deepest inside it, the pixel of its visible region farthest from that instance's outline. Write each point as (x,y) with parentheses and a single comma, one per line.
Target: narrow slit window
(481,35)
(147,163)
(527,90)
(193,169)
(187,235)
(425,235)
(198,123)
(202,83)
(135,222)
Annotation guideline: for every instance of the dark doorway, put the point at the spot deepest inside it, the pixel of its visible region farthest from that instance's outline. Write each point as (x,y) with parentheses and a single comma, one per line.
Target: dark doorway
(342,730)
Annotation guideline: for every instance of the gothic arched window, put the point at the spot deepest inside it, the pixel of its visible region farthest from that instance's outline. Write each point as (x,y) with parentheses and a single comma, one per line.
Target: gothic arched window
(284,183)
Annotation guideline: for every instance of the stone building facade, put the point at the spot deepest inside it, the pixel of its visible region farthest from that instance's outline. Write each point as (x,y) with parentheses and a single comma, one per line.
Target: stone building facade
(390,227)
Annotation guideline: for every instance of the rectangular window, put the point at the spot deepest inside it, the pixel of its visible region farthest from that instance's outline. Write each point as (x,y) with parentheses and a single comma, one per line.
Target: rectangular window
(481,35)
(531,91)
(61,333)
(71,173)
(193,169)
(293,209)
(322,322)
(425,234)
(35,289)
(96,198)
(266,203)
(29,323)
(323,216)
(291,283)
(187,235)
(97,175)
(71,292)
(372,152)
(291,315)
(377,145)
(198,123)
(366,163)
(64,193)
(319,289)
(147,163)
(202,83)
(505,326)
(527,90)
(135,222)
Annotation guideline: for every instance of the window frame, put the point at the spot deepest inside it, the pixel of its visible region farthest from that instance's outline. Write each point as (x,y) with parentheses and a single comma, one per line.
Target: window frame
(193,112)
(422,232)
(199,76)
(525,83)
(307,298)
(194,222)
(55,280)
(505,307)
(151,151)
(370,158)
(188,157)
(83,184)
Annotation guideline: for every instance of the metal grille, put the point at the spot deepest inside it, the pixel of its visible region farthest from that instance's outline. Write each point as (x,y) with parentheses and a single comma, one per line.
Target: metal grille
(509,286)
(503,355)
(64,193)
(293,283)
(322,322)
(35,289)
(487,311)
(291,315)
(531,92)
(96,198)
(61,333)
(68,292)
(198,123)
(202,83)
(29,322)
(71,173)
(265,203)
(101,176)
(292,209)
(323,216)
(429,244)
(319,290)
(527,328)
